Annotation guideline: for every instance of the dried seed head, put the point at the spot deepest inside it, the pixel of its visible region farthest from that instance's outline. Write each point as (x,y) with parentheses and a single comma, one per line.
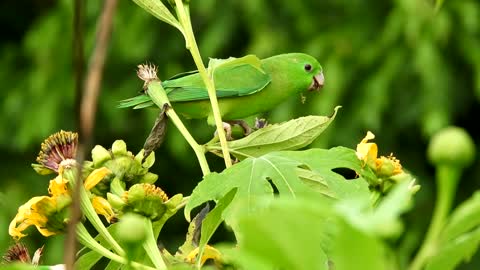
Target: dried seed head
(58,149)
(17,252)
(147,73)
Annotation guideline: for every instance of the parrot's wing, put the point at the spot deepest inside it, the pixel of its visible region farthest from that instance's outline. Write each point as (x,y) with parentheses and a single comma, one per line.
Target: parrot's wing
(232,77)
(137,102)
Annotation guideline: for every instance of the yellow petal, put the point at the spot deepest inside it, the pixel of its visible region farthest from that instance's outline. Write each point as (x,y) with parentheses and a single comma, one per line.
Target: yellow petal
(58,186)
(366,151)
(102,207)
(15,230)
(26,217)
(209,253)
(44,231)
(95,177)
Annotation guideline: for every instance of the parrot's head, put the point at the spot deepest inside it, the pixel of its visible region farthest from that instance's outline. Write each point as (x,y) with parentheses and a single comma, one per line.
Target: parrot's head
(300,70)
(311,69)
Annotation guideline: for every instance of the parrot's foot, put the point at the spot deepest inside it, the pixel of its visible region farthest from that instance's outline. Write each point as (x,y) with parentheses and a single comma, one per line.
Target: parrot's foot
(227,126)
(246,128)
(228,131)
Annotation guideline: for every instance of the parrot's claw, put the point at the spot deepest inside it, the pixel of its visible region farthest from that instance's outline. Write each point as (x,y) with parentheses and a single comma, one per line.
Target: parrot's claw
(246,128)
(228,131)
(227,126)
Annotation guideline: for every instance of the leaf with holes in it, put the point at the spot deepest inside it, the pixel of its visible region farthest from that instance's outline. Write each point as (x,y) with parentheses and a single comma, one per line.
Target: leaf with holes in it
(291,135)
(256,179)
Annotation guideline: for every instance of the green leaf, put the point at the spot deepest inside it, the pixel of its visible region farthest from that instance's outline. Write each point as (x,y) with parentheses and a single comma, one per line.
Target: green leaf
(354,249)
(383,220)
(159,10)
(357,243)
(465,218)
(87,260)
(213,220)
(291,135)
(23,266)
(252,177)
(112,265)
(460,238)
(321,162)
(455,251)
(287,235)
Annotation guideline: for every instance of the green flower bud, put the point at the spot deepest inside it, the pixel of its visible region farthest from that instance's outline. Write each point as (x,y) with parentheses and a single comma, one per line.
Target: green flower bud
(401,177)
(100,155)
(132,228)
(146,200)
(387,166)
(413,187)
(117,187)
(149,160)
(126,167)
(115,201)
(451,146)
(149,178)
(119,147)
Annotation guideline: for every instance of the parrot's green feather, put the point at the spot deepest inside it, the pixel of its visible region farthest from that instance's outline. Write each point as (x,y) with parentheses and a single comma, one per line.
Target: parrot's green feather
(135,101)
(144,105)
(232,77)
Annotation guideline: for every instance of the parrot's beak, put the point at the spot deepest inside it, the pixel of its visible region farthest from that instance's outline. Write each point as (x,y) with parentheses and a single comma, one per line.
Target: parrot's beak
(317,83)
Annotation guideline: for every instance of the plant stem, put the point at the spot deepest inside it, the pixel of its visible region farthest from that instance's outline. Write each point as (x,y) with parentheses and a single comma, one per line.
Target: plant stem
(87,240)
(159,97)
(89,211)
(447,180)
(151,248)
(191,45)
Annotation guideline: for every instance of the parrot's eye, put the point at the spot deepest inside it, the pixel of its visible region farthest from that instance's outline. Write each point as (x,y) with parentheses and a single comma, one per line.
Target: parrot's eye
(308,67)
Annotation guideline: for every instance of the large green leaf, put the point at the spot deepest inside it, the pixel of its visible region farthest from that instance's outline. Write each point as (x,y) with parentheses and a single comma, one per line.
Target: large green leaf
(291,135)
(159,10)
(358,242)
(257,177)
(461,236)
(382,220)
(455,251)
(465,218)
(213,220)
(354,249)
(287,235)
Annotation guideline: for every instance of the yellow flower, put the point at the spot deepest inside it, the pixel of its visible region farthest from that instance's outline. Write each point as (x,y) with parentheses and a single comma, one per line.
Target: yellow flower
(382,166)
(43,212)
(208,253)
(49,213)
(388,166)
(367,152)
(101,205)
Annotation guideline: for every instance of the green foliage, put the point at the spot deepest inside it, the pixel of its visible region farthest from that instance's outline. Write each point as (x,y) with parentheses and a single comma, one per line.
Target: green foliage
(256,177)
(310,232)
(292,135)
(397,68)
(460,237)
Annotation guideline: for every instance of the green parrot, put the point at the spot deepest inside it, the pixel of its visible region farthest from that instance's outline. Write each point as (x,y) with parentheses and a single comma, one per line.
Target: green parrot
(244,86)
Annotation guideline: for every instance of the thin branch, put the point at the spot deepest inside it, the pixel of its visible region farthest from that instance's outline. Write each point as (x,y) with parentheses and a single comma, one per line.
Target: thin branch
(79,67)
(88,105)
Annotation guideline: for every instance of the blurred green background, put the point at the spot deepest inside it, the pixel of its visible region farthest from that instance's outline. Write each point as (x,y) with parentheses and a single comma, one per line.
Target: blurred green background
(397,69)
